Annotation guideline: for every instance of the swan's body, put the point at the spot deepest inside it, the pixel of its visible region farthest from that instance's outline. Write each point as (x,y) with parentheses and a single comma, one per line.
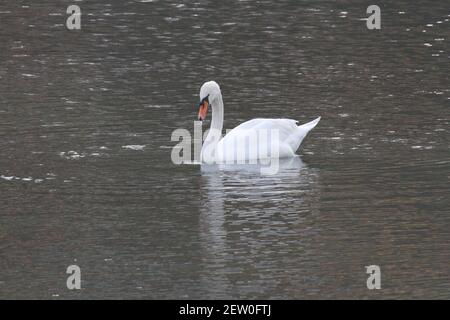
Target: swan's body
(251,140)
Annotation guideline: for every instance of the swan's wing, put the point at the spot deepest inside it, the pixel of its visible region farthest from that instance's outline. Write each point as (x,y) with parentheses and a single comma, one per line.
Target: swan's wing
(288,139)
(285,127)
(260,136)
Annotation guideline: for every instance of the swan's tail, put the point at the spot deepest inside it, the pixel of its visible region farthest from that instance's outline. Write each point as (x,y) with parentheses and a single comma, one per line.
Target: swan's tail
(309,126)
(301,133)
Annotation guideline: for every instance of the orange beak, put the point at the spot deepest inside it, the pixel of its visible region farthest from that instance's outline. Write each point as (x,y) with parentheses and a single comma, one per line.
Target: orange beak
(203,110)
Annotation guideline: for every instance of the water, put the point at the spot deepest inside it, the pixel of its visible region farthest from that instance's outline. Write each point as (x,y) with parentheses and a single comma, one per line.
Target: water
(86,177)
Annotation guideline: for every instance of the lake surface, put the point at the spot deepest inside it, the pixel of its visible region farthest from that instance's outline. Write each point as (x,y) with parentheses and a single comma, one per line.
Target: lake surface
(86,118)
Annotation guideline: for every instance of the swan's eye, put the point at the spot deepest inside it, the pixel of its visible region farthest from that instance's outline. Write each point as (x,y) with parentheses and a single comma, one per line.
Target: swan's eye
(205,99)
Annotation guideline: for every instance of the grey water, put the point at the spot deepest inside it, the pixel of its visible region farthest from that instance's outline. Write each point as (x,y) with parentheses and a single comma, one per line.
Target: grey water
(86,118)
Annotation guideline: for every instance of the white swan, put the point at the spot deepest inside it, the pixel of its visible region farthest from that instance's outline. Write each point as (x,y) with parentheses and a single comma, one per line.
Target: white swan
(252,140)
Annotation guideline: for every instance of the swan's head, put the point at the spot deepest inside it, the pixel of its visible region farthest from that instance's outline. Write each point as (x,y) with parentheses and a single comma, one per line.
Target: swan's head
(209,92)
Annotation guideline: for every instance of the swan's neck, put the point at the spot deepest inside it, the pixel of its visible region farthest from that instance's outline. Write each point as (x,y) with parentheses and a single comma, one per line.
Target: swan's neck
(215,131)
(217,115)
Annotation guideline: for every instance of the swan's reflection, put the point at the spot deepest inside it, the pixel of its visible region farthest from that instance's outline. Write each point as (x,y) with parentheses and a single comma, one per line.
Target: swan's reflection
(243,212)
